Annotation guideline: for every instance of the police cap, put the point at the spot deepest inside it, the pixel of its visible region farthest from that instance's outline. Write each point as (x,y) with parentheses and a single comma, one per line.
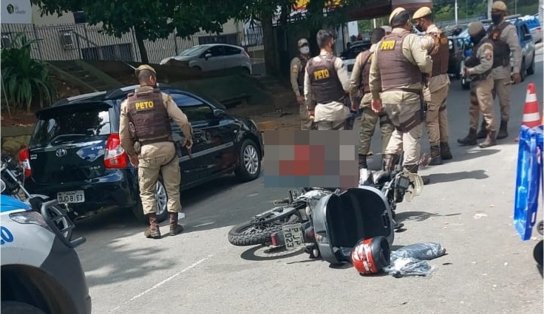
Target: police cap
(422,12)
(395,13)
(475,28)
(499,6)
(144,67)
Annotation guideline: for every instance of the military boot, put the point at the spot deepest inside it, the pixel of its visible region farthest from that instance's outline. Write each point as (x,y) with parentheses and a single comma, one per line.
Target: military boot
(414,169)
(470,139)
(503,130)
(445,152)
(362,162)
(436,158)
(490,140)
(483,130)
(175,228)
(153,230)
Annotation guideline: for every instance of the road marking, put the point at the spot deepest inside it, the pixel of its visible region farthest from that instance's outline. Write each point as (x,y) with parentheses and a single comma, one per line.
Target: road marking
(163,282)
(204,224)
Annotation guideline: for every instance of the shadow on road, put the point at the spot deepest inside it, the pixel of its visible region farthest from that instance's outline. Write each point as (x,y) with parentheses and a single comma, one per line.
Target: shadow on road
(263,253)
(456,176)
(419,216)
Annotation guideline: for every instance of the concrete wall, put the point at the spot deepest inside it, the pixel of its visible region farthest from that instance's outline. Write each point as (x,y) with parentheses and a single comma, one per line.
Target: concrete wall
(14,137)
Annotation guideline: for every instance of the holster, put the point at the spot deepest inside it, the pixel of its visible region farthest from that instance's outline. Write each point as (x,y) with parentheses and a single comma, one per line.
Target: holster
(418,117)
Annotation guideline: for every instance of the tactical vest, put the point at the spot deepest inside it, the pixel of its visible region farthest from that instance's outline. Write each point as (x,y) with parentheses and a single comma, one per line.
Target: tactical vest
(300,77)
(395,69)
(365,73)
(147,112)
(474,59)
(441,57)
(326,86)
(501,53)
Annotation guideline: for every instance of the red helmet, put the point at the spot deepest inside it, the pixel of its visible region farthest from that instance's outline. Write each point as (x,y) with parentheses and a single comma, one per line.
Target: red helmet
(370,255)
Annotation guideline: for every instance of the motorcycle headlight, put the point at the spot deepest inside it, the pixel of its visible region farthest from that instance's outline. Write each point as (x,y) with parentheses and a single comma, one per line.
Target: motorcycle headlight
(29,217)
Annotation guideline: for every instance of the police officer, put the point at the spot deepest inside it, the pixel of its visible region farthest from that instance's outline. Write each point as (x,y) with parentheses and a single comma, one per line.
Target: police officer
(396,83)
(326,86)
(146,136)
(438,86)
(298,65)
(360,86)
(479,67)
(506,41)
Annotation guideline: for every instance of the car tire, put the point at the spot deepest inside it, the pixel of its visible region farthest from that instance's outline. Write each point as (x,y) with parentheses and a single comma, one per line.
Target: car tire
(14,307)
(196,68)
(162,200)
(531,68)
(249,165)
(523,71)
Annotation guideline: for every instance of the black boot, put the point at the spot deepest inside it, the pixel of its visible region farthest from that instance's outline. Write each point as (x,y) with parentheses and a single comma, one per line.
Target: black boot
(362,162)
(436,158)
(503,130)
(445,152)
(470,139)
(483,130)
(490,140)
(414,169)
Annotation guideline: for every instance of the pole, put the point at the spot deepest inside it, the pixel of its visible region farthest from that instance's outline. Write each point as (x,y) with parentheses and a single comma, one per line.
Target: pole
(489,5)
(374,22)
(456,13)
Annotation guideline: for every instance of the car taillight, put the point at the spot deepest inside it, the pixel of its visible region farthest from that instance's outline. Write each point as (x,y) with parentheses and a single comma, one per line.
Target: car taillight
(24,160)
(115,156)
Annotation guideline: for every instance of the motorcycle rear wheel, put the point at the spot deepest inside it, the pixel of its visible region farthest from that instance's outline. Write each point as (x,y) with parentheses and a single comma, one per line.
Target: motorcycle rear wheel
(255,232)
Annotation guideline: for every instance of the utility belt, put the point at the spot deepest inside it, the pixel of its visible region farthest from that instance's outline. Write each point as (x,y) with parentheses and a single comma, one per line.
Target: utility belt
(139,143)
(479,77)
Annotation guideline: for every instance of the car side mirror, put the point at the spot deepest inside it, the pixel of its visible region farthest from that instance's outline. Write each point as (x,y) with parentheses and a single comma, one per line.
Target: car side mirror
(207,56)
(218,113)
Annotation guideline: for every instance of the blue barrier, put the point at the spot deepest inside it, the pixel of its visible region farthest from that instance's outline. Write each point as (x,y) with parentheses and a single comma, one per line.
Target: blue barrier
(528,177)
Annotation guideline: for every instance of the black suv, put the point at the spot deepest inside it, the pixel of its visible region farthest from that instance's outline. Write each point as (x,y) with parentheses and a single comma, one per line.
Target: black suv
(75,155)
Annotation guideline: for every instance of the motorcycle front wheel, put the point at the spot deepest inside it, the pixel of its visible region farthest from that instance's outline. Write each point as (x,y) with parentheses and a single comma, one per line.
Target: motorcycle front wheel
(261,227)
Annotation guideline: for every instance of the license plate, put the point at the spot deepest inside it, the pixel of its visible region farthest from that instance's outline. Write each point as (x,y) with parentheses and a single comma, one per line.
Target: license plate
(71,197)
(293,236)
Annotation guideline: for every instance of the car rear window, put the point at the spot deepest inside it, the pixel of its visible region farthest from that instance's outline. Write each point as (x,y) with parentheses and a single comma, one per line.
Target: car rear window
(69,125)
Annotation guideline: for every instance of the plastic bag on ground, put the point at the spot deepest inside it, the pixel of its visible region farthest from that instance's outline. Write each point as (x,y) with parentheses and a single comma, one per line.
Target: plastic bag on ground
(420,251)
(402,267)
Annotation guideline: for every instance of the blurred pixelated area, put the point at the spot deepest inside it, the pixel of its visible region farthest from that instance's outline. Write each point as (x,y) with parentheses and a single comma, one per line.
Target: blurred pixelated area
(296,158)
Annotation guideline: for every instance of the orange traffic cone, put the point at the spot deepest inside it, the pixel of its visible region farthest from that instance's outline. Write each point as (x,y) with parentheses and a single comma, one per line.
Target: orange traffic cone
(531,114)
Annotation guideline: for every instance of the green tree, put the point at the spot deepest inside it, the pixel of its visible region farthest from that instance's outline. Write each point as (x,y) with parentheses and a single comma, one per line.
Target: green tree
(150,20)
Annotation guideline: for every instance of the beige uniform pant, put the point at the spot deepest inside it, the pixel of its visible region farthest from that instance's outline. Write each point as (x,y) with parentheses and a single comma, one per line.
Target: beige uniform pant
(331,125)
(369,119)
(502,88)
(305,122)
(159,159)
(437,117)
(481,99)
(403,107)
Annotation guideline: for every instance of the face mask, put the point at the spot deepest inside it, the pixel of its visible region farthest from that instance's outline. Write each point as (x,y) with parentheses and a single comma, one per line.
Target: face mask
(419,28)
(477,38)
(496,18)
(305,50)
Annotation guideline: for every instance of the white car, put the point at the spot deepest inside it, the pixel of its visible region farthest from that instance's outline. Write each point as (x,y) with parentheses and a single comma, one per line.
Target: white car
(212,57)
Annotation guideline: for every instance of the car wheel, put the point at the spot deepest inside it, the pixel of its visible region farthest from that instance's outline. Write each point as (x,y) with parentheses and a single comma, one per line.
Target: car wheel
(14,307)
(531,68)
(523,70)
(162,200)
(197,68)
(249,166)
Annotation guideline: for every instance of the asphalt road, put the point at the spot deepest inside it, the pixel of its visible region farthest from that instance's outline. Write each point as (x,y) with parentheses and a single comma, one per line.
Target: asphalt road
(467,208)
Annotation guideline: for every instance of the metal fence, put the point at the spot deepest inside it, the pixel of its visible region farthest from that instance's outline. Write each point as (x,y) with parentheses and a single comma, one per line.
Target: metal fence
(85,42)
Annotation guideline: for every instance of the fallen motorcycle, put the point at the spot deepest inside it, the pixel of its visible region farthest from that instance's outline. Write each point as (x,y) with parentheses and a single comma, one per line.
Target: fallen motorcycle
(12,181)
(329,222)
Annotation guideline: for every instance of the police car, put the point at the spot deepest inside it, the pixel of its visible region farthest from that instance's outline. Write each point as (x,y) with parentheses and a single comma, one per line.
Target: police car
(41,271)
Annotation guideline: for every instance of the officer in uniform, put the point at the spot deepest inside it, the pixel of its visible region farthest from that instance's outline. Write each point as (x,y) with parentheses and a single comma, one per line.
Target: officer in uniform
(479,67)
(436,43)
(396,83)
(146,136)
(506,41)
(326,86)
(360,86)
(298,65)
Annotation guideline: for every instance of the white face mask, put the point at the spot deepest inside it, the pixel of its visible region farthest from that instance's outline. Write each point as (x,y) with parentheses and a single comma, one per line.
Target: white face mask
(305,50)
